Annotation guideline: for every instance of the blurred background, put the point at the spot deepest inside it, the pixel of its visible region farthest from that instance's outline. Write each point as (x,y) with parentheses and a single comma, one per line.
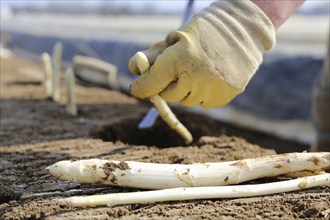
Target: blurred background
(278,99)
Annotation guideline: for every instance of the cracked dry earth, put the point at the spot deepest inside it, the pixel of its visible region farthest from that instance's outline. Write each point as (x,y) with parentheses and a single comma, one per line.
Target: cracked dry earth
(36,133)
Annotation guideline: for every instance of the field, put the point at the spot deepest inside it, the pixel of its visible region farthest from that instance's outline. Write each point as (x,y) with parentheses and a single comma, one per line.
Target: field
(36,132)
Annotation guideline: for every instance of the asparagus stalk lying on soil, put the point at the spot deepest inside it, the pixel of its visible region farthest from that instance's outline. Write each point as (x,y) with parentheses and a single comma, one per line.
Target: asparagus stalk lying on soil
(199,192)
(161,176)
(96,71)
(164,111)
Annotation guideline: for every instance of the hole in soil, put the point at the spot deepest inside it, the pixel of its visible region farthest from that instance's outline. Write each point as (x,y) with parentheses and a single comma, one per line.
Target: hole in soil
(161,135)
(23,83)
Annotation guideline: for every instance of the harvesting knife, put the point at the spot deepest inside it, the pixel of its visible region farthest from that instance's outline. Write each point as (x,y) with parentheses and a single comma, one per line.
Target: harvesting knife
(150,118)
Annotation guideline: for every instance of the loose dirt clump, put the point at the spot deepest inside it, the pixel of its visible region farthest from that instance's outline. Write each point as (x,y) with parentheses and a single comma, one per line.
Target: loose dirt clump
(36,133)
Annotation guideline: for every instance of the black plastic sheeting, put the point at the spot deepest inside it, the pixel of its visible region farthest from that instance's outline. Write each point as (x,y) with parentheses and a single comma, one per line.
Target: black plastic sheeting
(281,89)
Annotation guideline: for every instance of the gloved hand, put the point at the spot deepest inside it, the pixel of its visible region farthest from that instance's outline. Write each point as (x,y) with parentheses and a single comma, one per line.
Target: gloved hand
(210,59)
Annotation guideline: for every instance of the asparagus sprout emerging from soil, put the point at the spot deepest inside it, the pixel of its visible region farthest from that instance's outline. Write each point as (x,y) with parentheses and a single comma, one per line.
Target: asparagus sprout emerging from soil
(209,178)
(48,74)
(71,106)
(57,63)
(164,111)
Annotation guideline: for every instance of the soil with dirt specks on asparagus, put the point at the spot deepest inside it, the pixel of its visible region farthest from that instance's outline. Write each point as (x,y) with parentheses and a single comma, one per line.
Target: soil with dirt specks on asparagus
(36,132)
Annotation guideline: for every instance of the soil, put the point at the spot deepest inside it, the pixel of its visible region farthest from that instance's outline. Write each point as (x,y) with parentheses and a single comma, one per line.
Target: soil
(36,132)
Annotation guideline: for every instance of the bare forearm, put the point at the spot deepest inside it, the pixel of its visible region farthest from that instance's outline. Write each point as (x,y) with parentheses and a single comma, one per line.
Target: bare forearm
(278,10)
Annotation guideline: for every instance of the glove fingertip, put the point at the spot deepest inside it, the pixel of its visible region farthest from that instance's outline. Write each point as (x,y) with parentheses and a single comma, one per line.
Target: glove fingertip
(137,90)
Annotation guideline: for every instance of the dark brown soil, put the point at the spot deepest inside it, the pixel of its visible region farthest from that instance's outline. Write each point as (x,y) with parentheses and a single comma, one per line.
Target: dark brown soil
(36,133)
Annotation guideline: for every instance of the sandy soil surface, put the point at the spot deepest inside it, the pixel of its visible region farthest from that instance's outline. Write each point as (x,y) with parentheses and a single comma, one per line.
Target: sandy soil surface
(36,133)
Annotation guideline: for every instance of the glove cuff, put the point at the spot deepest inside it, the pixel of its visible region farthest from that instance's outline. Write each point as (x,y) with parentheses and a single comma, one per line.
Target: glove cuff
(248,18)
(246,32)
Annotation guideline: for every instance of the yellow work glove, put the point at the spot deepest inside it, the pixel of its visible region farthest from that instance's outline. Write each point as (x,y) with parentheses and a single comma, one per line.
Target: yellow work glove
(210,59)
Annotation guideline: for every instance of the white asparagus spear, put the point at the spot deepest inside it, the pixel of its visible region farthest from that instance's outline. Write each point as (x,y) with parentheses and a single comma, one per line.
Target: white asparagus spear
(57,63)
(48,74)
(164,111)
(71,106)
(96,71)
(161,176)
(215,192)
